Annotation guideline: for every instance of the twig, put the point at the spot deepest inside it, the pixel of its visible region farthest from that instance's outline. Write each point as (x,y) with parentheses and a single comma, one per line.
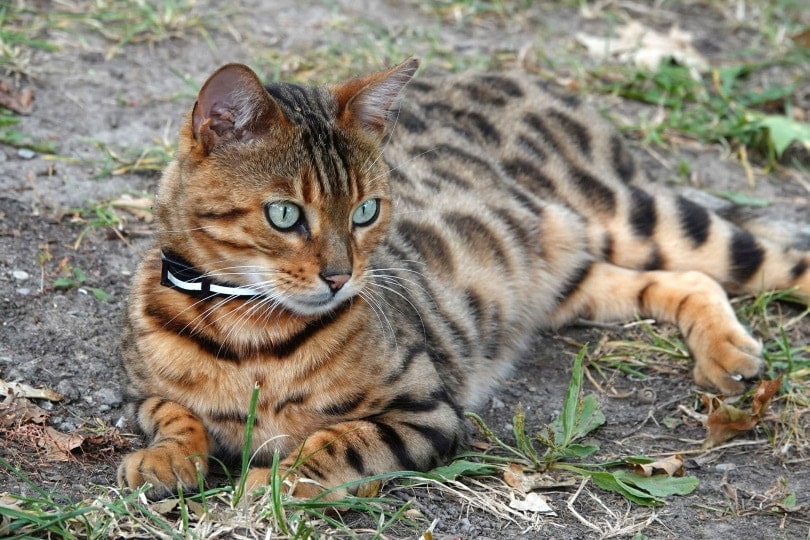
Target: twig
(570,505)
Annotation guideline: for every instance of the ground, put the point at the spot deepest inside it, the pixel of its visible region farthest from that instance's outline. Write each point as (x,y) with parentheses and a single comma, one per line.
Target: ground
(105,98)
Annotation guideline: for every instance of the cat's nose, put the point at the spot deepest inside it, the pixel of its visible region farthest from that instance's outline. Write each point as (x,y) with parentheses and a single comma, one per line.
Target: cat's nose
(336,281)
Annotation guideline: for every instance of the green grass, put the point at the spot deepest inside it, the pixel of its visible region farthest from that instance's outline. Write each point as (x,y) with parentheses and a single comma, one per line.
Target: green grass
(720,107)
(11,136)
(24,29)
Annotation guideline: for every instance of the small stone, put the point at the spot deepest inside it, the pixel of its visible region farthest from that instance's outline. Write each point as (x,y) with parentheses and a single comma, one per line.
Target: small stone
(497,403)
(108,397)
(67,389)
(20,275)
(23,291)
(26,153)
(66,427)
(724,467)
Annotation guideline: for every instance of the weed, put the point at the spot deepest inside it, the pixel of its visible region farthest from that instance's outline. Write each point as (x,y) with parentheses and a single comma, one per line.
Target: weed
(150,159)
(718,108)
(11,136)
(580,416)
(74,277)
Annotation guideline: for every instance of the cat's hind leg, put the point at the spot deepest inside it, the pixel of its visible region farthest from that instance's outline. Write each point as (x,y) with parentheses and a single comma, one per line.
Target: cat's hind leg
(724,352)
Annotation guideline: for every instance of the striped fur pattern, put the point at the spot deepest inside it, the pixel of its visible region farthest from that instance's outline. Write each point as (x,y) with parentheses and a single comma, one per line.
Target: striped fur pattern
(405,255)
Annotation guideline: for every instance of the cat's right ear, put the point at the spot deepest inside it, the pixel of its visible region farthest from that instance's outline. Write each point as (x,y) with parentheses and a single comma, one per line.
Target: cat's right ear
(232,106)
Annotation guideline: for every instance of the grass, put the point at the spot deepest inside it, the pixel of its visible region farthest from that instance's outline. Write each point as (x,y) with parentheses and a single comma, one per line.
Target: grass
(27,30)
(230,510)
(719,108)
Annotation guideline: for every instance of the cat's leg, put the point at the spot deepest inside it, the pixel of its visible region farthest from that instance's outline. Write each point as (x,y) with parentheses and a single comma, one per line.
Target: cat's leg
(723,351)
(353,450)
(673,233)
(178,451)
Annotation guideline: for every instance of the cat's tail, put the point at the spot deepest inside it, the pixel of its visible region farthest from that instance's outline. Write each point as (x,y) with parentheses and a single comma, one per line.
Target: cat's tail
(674,233)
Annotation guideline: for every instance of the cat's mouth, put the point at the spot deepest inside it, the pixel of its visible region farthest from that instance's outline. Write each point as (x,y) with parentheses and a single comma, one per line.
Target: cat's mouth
(319,303)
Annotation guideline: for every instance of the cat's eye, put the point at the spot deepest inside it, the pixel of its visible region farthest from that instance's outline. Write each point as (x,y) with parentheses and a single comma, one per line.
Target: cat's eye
(366,212)
(283,215)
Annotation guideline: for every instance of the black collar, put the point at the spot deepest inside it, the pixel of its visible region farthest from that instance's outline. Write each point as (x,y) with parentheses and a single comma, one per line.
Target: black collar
(179,274)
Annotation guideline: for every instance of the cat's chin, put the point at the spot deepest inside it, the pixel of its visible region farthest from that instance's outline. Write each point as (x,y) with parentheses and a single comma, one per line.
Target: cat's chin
(312,308)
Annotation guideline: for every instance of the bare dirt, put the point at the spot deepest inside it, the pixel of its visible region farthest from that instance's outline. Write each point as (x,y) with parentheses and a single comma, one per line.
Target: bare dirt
(66,339)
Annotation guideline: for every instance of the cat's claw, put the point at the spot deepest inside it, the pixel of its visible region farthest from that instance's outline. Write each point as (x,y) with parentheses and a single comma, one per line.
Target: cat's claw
(729,364)
(163,470)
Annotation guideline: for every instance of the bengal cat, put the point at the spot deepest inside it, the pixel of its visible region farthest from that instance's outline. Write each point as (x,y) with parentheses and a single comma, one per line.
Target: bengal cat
(375,264)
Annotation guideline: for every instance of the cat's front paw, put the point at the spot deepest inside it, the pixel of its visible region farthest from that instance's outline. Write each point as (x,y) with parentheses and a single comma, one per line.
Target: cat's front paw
(161,468)
(726,360)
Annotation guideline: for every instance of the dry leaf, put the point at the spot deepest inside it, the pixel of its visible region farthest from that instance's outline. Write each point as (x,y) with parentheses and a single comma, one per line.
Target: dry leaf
(516,477)
(59,446)
(802,38)
(671,466)
(163,507)
(534,502)
(726,421)
(369,489)
(763,394)
(19,101)
(480,445)
(141,208)
(647,48)
(18,411)
(25,391)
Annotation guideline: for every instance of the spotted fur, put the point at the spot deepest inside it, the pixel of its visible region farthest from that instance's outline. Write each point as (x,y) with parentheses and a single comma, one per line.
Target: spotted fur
(501,206)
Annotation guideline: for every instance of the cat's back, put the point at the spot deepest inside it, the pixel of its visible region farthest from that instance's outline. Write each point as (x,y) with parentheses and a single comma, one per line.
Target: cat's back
(464,130)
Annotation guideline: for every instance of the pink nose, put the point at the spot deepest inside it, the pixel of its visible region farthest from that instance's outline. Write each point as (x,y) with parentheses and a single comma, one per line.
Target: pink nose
(337,281)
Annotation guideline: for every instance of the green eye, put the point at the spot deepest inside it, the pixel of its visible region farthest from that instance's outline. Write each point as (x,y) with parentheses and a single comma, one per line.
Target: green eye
(366,212)
(283,215)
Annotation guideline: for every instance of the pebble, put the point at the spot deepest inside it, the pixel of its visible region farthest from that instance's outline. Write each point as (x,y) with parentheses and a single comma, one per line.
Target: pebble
(108,397)
(23,291)
(26,153)
(723,467)
(20,275)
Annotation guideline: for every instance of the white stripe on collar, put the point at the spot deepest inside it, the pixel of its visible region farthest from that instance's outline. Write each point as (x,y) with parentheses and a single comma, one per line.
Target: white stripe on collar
(212,287)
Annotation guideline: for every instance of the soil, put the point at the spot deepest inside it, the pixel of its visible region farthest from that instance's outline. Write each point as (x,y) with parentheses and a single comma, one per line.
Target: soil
(66,339)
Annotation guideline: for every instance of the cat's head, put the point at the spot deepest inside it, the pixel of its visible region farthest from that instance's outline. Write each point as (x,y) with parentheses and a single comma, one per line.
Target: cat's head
(282,188)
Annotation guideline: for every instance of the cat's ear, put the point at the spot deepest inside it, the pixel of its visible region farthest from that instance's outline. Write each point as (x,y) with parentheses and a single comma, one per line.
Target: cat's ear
(366,102)
(232,105)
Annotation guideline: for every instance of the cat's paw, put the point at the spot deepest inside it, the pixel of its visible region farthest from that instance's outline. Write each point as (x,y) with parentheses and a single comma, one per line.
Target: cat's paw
(162,468)
(726,359)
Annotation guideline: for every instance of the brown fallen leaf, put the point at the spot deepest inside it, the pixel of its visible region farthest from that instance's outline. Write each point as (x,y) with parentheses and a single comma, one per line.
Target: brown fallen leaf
(725,421)
(19,101)
(59,446)
(671,466)
(16,411)
(515,476)
(763,394)
(802,38)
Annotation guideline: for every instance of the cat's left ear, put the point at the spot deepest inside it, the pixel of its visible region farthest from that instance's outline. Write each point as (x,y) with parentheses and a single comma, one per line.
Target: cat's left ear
(366,102)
